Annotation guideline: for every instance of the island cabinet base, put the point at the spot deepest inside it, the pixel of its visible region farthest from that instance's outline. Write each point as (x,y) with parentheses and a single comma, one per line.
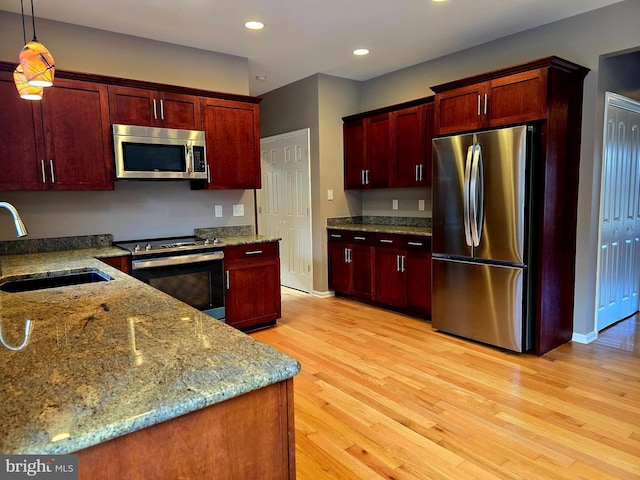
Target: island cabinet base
(250,436)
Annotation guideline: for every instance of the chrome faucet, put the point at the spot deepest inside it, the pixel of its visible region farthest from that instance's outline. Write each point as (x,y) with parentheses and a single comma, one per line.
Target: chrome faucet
(21,230)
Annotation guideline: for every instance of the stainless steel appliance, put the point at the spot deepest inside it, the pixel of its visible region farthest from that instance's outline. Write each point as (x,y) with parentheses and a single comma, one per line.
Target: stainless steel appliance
(481,206)
(159,153)
(186,268)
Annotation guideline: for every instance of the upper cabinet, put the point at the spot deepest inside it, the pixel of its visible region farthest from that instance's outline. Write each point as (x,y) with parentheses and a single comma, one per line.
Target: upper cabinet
(59,143)
(515,95)
(232,132)
(389,147)
(153,108)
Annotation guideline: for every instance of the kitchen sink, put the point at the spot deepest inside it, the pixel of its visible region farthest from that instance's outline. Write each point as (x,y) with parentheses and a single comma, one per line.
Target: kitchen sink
(53,280)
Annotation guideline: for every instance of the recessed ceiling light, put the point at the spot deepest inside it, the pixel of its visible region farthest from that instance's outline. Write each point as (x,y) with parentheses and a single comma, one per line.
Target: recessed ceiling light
(253,25)
(361,51)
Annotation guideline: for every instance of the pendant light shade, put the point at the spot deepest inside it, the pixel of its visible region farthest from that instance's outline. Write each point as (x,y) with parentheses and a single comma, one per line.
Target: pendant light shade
(37,64)
(26,90)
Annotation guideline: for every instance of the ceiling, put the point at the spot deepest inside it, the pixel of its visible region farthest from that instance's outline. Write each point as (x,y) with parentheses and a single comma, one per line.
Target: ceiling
(304,37)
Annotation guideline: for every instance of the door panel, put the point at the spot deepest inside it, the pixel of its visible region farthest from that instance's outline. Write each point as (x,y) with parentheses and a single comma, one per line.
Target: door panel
(478,301)
(449,158)
(504,153)
(619,256)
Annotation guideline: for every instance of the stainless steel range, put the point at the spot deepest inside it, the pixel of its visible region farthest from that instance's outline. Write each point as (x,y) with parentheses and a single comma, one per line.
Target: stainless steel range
(186,268)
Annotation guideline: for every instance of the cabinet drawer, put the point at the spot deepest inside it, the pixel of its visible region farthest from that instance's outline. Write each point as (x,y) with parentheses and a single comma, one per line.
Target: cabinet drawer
(390,240)
(252,252)
(338,236)
(415,242)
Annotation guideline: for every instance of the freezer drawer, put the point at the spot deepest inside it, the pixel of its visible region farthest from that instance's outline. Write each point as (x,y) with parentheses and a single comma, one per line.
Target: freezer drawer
(481,302)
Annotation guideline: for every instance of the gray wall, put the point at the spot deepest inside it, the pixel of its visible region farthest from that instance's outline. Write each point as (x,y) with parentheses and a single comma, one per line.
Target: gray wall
(134,209)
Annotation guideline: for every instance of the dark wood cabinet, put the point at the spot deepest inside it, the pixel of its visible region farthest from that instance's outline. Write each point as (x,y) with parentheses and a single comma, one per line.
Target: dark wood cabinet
(547,92)
(510,99)
(351,262)
(232,132)
(153,108)
(412,134)
(252,285)
(122,263)
(389,147)
(59,143)
(403,272)
(391,270)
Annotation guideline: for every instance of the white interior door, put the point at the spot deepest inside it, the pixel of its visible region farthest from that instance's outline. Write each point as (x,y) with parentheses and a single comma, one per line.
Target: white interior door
(619,255)
(284,204)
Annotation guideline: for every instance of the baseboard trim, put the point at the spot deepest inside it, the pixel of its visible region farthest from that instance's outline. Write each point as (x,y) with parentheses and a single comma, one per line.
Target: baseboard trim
(584,338)
(325,294)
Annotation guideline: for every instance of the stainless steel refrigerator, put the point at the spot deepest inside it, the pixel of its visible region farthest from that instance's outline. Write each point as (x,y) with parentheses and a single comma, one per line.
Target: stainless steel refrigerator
(481,192)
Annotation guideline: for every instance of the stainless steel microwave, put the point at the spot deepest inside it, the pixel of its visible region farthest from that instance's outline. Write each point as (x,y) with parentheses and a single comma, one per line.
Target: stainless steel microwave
(159,153)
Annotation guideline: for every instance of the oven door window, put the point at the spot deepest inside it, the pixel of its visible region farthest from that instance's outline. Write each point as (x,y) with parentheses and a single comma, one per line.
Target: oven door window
(198,285)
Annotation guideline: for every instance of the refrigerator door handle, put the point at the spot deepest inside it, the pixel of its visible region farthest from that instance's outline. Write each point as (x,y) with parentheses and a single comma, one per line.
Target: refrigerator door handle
(466,197)
(477,196)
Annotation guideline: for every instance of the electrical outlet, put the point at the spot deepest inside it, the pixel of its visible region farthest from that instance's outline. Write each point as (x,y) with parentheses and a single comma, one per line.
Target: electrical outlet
(238,210)
(421,205)
(394,204)
(329,194)
(218,210)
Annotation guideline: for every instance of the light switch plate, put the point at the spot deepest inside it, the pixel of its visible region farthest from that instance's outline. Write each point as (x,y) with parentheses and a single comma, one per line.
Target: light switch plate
(329,194)
(394,204)
(218,210)
(421,205)
(238,210)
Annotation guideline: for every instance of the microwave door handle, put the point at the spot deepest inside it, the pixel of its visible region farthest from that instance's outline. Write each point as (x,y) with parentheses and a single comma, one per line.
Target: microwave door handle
(188,158)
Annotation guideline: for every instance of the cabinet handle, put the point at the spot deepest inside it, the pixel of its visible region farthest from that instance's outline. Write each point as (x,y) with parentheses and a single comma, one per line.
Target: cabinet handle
(53,176)
(253,252)
(485,103)
(359,238)
(384,240)
(397,263)
(421,172)
(44,178)
(155,110)
(335,235)
(479,104)
(417,173)
(367,176)
(402,263)
(415,244)
(349,255)
(362,178)
(161,109)
(227,279)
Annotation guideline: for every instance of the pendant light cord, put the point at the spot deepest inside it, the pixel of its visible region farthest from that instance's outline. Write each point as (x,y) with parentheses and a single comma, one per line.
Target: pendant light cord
(24,30)
(33,21)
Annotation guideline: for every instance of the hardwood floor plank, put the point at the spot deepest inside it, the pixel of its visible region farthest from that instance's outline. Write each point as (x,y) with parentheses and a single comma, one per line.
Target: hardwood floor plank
(383,395)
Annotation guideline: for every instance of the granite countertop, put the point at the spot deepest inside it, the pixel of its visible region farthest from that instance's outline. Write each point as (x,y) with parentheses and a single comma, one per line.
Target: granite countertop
(105,359)
(375,228)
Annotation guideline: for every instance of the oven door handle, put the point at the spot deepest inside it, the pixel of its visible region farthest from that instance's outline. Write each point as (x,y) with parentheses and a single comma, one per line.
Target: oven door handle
(176,260)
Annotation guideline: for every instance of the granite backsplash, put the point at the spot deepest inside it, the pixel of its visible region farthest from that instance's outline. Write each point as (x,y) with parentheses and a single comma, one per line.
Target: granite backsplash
(394,221)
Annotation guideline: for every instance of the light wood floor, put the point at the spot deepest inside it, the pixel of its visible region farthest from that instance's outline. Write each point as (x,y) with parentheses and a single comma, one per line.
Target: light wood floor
(384,396)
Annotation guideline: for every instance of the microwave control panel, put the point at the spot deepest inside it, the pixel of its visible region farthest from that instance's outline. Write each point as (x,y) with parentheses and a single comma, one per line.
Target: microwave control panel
(199,160)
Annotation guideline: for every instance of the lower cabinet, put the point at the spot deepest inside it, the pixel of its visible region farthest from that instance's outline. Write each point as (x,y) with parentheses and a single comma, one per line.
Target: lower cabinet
(403,272)
(252,285)
(122,263)
(351,263)
(391,270)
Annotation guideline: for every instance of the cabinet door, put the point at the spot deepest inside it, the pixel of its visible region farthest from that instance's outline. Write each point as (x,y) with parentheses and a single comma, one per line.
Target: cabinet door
(354,153)
(460,109)
(378,151)
(409,165)
(418,274)
(252,296)
(362,270)
(76,133)
(390,279)
(152,108)
(339,267)
(518,98)
(232,132)
(19,159)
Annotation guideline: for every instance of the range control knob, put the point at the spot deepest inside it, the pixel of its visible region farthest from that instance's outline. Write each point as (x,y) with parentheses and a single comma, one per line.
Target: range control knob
(206,241)
(148,247)
(136,248)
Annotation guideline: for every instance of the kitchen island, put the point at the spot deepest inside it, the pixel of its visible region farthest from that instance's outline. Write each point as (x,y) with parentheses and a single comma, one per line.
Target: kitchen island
(138,384)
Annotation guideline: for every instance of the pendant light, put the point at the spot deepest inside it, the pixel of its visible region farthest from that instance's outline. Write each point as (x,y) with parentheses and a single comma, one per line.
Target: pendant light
(37,63)
(25,90)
